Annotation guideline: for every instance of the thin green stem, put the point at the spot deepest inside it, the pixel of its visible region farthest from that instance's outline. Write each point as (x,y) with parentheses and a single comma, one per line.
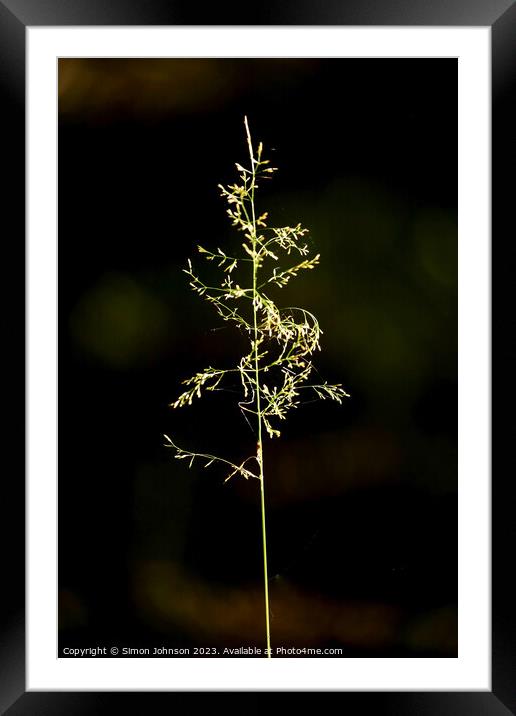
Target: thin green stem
(259,447)
(259,454)
(265,573)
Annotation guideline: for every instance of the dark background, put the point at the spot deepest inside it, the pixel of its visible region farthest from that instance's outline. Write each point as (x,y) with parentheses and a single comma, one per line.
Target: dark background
(361,498)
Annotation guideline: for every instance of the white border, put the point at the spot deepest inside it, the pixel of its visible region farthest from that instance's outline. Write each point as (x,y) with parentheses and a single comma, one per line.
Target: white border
(471,670)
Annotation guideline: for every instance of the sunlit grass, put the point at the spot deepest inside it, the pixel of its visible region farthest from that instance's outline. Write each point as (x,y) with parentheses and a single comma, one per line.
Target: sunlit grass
(274,375)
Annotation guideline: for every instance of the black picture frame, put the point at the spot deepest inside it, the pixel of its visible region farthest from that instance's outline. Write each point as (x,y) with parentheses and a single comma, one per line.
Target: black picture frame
(500,16)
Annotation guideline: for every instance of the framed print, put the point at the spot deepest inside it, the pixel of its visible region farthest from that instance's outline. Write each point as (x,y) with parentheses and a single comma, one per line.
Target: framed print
(258,290)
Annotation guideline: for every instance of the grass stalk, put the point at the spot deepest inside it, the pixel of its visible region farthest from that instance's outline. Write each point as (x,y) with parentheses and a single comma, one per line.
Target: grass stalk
(275,372)
(259,446)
